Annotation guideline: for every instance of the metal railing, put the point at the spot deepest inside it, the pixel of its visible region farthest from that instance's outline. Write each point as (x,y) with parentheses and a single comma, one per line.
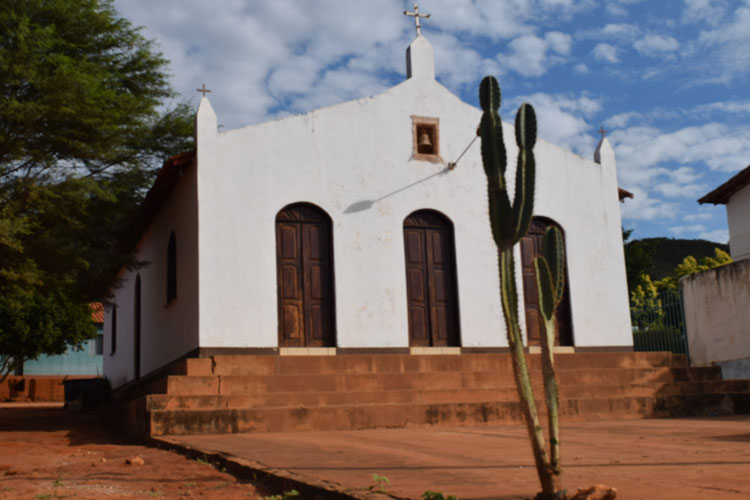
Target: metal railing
(659,323)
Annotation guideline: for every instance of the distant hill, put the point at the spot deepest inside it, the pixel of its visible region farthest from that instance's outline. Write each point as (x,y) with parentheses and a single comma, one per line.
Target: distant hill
(667,253)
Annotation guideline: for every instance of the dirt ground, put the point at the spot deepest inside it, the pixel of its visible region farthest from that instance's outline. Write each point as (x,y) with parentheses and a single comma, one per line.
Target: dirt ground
(48,453)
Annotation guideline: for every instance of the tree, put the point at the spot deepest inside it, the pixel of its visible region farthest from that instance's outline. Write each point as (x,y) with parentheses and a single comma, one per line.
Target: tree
(86,117)
(690,265)
(638,259)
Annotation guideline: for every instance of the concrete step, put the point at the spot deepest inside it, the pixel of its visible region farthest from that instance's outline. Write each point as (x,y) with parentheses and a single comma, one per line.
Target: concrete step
(363,416)
(326,398)
(264,365)
(388,381)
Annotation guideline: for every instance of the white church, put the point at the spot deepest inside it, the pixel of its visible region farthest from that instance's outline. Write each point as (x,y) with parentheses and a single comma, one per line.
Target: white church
(353,229)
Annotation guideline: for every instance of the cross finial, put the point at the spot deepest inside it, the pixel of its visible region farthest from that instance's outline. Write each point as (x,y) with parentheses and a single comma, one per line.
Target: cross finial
(416,15)
(203,90)
(602,131)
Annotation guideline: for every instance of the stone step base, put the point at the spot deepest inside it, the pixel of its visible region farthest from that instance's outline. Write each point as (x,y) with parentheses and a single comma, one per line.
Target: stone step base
(393,381)
(363,416)
(433,396)
(260,393)
(390,363)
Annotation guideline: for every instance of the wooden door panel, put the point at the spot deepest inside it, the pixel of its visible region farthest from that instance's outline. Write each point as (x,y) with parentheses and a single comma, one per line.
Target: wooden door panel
(431,292)
(305,266)
(418,325)
(290,282)
(414,253)
(292,324)
(531,246)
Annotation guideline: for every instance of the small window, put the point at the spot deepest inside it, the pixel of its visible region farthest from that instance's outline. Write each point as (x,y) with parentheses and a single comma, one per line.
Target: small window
(426,138)
(97,346)
(114,330)
(171,269)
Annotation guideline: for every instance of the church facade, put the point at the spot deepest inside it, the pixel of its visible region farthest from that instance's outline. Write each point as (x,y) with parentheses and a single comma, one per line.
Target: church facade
(350,229)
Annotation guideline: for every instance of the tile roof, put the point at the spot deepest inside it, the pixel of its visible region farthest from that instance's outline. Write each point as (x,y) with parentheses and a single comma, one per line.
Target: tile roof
(97,312)
(721,195)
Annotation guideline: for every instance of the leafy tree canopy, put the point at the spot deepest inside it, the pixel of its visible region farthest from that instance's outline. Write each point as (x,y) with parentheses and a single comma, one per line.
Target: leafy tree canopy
(86,117)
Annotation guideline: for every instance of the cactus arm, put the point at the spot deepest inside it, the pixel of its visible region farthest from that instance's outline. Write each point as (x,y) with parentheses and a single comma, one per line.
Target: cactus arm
(521,371)
(523,202)
(545,288)
(553,250)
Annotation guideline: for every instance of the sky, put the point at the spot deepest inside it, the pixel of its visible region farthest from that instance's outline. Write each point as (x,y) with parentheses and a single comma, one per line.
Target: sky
(667,79)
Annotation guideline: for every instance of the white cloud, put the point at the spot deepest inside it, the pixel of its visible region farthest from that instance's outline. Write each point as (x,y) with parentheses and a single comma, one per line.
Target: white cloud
(531,55)
(656,45)
(725,48)
(734,107)
(563,119)
(580,69)
(701,216)
(643,207)
(622,119)
(677,190)
(605,52)
(687,229)
(718,236)
(704,11)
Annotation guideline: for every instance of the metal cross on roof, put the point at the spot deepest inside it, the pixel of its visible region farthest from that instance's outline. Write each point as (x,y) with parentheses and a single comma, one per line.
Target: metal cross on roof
(416,15)
(602,131)
(203,90)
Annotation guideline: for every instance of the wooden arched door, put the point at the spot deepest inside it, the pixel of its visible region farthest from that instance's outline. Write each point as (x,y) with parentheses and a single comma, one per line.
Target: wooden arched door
(531,246)
(431,280)
(304,266)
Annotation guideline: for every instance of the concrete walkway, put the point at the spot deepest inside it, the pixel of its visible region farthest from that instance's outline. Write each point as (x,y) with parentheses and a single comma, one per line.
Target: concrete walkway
(690,458)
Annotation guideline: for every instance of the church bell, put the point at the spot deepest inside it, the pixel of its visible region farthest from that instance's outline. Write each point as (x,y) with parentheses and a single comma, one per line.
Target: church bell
(424,140)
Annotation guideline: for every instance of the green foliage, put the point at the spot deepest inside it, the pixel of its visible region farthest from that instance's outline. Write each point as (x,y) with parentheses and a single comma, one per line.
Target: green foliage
(286,496)
(658,257)
(380,484)
(690,265)
(639,258)
(433,495)
(85,120)
(509,223)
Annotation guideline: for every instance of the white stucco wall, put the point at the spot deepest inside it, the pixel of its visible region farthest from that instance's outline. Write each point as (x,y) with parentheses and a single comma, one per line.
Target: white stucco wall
(738,217)
(353,161)
(167,331)
(717,313)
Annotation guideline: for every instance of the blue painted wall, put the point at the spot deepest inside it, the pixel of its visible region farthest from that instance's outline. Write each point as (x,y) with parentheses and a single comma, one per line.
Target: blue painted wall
(87,361)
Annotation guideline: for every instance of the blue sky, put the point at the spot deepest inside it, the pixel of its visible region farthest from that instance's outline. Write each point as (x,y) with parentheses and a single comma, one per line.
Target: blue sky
(668,79)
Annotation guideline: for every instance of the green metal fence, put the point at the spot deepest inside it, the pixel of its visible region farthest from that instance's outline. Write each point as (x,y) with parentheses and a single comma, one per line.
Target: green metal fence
(659,324)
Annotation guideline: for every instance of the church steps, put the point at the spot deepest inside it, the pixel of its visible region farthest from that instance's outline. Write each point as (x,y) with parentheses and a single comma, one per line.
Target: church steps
(285,393)
(385,381)
(364,416)
(264,365)
(318,398)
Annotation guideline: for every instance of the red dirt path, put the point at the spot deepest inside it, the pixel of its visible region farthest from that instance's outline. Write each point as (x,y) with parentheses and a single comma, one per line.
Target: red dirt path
(47,452)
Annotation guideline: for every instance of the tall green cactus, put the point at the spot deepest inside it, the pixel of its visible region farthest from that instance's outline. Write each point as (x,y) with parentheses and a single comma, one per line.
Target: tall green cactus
(550,280)
(510,222)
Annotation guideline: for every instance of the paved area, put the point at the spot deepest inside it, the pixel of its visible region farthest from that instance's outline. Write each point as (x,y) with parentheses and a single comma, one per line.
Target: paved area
(691,458)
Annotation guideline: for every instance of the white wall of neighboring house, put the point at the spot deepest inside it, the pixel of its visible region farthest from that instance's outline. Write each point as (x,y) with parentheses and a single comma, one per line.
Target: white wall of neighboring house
(738,218)
(168,331)
(358,154)
(717,316)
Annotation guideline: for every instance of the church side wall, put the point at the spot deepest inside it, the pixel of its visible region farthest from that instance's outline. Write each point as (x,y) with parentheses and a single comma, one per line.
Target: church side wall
(738,208)
(168,331)
(581,196)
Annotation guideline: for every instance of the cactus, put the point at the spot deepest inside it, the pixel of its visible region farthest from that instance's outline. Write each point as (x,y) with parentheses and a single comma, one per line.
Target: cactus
(550,280)
(509,223)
